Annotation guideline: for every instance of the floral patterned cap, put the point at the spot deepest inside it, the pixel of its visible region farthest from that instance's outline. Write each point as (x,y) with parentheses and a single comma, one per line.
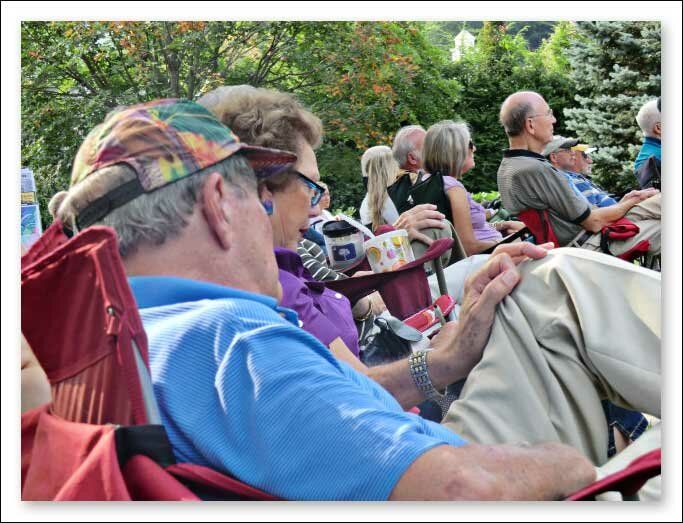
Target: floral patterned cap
(163,141)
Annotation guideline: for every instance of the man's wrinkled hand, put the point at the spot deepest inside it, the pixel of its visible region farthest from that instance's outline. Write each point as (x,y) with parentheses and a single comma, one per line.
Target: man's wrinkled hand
(423,216)
(640,195)
(520,251)
(484,290)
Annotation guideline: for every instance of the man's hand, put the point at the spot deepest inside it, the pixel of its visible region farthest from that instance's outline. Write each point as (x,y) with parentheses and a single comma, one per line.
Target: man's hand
(423,216)
(460,345)
(484,290)
(639,196)
(520,251)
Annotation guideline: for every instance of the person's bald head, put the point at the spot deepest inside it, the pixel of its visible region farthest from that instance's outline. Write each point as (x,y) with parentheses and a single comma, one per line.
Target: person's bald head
(528,121)
(516,109)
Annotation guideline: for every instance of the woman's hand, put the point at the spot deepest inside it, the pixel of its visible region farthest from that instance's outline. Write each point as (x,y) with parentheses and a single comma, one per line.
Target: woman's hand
(422,216)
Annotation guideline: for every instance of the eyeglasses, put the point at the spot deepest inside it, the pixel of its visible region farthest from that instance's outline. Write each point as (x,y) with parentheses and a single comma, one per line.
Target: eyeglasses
(470,145)
(318,190)
(549,112)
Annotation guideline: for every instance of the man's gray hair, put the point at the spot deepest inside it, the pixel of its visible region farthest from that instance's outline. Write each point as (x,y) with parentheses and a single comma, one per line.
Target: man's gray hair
(404,143)
(155,216)
(514,118)
(648,116)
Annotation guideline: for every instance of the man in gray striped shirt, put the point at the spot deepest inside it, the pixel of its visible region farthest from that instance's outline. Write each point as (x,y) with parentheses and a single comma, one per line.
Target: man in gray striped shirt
(526,180)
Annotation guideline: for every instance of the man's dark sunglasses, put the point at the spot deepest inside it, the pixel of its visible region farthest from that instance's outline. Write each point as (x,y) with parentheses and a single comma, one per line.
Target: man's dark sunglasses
(318,189)
(471,145)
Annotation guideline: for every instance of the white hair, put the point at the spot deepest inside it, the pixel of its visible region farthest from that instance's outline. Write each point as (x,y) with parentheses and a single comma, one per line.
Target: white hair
(404,143)
(155,216)
(648,116)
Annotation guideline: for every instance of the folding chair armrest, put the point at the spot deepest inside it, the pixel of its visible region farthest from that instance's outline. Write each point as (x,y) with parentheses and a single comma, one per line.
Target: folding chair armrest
(522,233)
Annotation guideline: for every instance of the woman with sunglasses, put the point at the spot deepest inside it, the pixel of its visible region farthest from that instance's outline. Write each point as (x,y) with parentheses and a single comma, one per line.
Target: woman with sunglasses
(448,150)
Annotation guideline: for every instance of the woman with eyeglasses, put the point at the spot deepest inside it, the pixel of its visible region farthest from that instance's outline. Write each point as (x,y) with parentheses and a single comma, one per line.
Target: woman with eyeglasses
(448,150)
(275,119)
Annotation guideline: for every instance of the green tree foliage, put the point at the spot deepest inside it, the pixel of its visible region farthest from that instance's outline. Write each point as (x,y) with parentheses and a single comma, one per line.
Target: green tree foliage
(553,51)
(616,68)
(496,67)
(388,76)
(364,79)
(441,33)
(534,32)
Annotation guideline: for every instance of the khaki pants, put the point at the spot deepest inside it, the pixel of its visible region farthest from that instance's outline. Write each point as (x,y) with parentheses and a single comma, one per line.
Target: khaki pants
(647,216)
(579,327)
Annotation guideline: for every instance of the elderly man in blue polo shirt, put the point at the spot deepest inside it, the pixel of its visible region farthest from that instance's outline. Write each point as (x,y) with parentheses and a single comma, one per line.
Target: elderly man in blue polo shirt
(235,376)
(566,154)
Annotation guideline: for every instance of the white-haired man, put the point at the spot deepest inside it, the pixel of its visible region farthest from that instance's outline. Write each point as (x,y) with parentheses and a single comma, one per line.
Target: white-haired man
(567,156)
(649,120)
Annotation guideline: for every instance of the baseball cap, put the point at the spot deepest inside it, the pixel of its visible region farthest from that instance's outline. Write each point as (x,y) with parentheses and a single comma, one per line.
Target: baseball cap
(557,143)
(584,148)
(162,141)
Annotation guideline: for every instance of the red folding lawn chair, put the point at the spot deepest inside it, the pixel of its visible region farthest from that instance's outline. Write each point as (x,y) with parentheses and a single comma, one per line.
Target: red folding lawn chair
(627,481)
(405,291)
(101,437)
(538,222)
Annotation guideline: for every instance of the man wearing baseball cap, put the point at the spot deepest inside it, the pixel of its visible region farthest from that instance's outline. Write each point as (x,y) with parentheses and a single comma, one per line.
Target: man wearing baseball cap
(568,156)
(583,162)
(243,389)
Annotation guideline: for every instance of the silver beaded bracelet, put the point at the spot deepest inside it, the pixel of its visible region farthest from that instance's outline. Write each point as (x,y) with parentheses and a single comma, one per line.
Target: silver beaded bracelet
(420,374)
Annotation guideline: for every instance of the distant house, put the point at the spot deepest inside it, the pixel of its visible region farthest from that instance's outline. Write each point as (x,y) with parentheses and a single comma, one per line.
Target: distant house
(463,40)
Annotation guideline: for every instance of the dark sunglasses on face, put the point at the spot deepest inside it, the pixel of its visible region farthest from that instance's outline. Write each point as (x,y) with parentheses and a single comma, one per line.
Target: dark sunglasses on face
(470,145)
(318,190)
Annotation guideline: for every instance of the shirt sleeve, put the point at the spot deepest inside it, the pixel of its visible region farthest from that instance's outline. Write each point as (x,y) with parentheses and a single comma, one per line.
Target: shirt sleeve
(304,426)
(313,259)
(449,183)
(562,197)
(296,296)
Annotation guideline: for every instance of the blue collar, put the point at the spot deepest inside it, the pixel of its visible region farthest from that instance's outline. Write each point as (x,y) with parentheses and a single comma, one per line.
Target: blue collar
(157,291)
(652,140)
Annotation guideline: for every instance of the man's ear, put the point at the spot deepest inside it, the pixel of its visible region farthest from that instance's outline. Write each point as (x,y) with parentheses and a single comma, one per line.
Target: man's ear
(215,207)
(658,128)
(264,193)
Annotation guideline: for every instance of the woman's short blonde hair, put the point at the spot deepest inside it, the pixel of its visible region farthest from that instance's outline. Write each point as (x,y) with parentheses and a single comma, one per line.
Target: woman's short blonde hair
(263,116)
(445,148)
(267,118)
